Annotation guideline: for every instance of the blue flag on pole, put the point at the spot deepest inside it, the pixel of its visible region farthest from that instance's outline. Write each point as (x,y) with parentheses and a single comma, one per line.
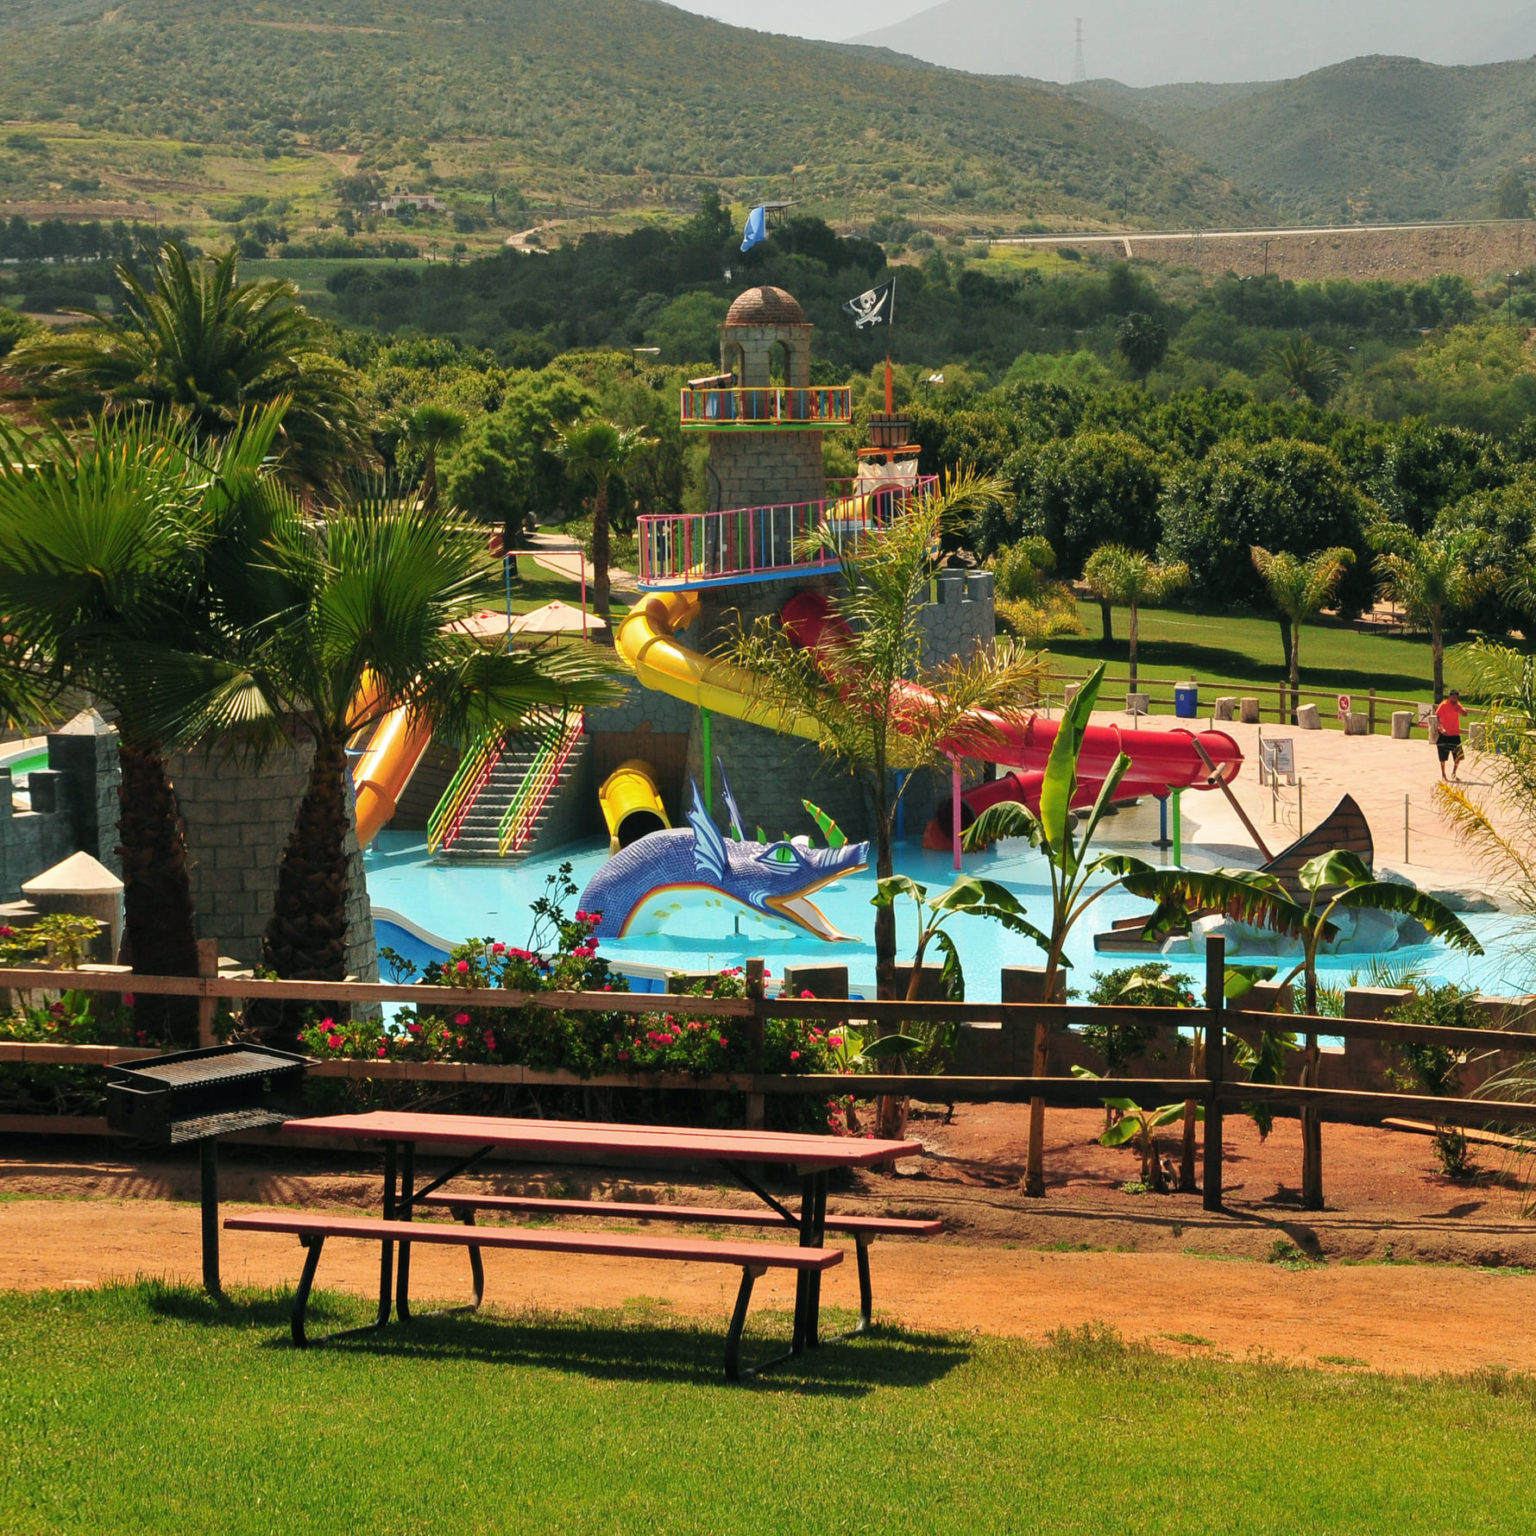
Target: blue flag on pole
(757,228)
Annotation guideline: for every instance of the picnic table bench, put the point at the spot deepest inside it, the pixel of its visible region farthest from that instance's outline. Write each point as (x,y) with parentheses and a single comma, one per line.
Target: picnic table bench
(812,1157)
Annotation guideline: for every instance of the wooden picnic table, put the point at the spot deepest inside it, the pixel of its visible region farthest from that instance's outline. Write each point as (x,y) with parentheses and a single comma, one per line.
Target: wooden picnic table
(743,1154)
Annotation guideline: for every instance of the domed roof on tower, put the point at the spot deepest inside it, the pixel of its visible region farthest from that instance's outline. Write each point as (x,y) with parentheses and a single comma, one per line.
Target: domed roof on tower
(766,306)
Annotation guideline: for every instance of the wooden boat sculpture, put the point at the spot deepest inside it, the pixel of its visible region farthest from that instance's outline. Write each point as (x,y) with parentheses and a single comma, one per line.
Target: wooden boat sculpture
(1344,827)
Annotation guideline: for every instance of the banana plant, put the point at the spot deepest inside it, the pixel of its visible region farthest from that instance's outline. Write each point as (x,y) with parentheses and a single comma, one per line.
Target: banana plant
(1340,882)
(967,896)
(1078,879)
(1138,1127)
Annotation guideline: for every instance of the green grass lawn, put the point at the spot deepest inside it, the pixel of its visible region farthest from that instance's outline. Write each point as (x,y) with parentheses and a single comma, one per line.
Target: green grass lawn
(1228,652)
(144,1410)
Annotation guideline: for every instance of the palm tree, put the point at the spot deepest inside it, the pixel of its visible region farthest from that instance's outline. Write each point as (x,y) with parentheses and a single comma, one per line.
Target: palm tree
(203,348)
(1300,589)
(1142,343)
(1115,574)
(1309,372)
(1431,578)
(361,619)
(1077,880)
(868,699)
(1340,882)
(431,428)
(597,451)
(107,546)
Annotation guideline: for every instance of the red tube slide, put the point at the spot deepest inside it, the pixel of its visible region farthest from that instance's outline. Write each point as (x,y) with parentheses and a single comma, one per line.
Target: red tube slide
(1160,760)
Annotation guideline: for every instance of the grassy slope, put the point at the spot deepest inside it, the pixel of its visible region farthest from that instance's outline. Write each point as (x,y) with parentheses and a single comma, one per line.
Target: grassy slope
(148,1411)
(1374,138)
(617,103)
(1227,651)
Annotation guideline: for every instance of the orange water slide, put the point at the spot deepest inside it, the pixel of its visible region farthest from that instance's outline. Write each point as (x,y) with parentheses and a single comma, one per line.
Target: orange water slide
(394,752)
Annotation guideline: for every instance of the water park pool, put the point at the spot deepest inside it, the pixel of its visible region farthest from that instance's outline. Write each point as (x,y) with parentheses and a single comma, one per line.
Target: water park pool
(699,932)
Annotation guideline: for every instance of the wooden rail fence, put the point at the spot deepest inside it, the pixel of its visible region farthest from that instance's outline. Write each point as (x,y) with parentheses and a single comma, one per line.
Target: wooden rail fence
(1214,1089)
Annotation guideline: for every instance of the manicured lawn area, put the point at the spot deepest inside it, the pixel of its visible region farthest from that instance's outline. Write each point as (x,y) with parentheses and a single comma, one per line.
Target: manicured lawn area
(1226,652)
(151,1410)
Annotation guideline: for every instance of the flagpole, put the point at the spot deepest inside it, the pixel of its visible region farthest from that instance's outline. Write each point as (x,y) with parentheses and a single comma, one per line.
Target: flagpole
(890,398)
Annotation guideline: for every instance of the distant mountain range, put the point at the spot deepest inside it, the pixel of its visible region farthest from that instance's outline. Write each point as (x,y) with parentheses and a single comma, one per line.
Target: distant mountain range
(1159,42)
(199,108)
(1374,139)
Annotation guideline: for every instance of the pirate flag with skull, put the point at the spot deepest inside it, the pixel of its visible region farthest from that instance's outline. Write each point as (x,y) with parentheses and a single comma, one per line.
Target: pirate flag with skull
(877,306)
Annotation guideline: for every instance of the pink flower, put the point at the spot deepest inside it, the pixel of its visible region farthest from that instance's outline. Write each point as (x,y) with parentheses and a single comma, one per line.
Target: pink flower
(413,1029)
(333,1041)
(462,967)
(834,1040)
(383,1050)
(490,1040)
(461,1018)
(623,1055)
(583,952)
(724,1041)
(807,994)
(128,999)
(794,1055)
(7,932)
(327,1023)
(498,949)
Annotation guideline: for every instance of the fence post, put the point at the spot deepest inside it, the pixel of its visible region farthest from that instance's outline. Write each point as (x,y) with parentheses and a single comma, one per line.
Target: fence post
(1215,1064)
(1373,711)
(207,965)
(756,1104)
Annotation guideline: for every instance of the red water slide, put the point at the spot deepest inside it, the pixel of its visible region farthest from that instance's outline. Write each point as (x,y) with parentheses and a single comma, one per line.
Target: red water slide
(1160,760)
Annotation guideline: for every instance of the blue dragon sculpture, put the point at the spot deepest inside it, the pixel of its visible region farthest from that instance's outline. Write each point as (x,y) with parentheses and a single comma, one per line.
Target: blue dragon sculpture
(775,879)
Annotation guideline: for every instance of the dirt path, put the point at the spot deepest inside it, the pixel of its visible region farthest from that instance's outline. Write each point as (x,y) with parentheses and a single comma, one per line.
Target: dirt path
(1158,1269)
(1414,1318)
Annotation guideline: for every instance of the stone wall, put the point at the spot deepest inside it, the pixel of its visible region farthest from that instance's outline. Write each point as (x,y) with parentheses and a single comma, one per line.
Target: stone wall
(238,819)
(73,806)
(758,469)
(962,617)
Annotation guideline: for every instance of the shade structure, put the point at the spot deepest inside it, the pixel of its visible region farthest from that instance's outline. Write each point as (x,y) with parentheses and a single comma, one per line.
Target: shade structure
(554,618)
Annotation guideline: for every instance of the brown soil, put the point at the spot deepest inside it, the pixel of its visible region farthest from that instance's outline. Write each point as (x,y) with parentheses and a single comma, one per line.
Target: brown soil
(1408,1271)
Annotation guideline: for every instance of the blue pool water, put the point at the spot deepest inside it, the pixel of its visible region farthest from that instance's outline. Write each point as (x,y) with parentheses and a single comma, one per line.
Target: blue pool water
(455,903)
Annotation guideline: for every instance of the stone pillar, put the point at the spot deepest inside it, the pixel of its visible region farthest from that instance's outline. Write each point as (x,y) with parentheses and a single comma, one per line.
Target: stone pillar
(84,753)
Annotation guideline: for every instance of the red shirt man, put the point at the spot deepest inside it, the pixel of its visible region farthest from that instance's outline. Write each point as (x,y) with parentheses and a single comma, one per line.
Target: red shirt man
(1450,714)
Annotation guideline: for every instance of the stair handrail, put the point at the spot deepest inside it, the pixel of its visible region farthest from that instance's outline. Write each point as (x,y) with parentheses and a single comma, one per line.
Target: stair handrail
(539,782)
(464,789)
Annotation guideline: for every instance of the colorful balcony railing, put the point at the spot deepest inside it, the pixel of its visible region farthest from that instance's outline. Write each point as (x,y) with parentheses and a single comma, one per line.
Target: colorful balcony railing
(763,543)
(766,410)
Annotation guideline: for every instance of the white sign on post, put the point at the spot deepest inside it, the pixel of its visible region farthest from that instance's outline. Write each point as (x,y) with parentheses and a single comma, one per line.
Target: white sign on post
(1277,755)
(1344,706)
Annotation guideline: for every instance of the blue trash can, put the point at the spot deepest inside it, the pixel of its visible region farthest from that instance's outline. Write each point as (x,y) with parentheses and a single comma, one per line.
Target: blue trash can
(1186,700)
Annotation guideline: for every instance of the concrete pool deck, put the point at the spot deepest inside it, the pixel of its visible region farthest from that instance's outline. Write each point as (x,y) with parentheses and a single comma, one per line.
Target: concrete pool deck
(1378,771)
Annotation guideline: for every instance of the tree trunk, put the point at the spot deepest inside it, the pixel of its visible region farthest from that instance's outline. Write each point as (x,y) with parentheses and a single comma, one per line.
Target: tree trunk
(1437,651)
(1295,670)
(1106,613)
(1285,639)
(1034,1156)
(886,1107)
(429,480)
(306,938)
(159,931)
(601,546)
(1133,638)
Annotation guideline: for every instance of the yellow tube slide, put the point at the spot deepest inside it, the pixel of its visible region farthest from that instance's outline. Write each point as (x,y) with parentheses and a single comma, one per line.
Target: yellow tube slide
(631,804)
(646,640)
(385,769)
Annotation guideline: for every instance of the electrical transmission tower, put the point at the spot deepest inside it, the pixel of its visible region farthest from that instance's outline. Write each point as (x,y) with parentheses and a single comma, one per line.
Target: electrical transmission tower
(1079,63)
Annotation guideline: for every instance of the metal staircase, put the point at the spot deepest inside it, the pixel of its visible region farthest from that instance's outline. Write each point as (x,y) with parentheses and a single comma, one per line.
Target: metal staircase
(505,791)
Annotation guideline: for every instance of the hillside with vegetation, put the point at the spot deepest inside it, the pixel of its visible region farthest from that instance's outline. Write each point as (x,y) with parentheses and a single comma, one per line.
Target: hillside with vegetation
(196,113)
(1372,139)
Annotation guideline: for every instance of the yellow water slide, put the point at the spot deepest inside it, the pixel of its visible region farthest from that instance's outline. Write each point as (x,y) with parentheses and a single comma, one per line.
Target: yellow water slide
(382,773)
(631,804)
(647,641)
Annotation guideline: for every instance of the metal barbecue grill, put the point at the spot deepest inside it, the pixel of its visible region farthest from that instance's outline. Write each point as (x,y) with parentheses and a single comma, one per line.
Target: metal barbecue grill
(198,1096)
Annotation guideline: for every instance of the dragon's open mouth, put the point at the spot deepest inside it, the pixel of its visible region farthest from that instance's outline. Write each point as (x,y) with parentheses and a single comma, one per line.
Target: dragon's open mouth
(804,913)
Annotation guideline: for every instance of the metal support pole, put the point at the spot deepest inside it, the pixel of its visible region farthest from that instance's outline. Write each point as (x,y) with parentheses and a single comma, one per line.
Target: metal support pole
(1301,823)
(1163,840)
(706,742)
(210,1160)
(1215,1063)
(1406,859)
(1178,829)
(955,808)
